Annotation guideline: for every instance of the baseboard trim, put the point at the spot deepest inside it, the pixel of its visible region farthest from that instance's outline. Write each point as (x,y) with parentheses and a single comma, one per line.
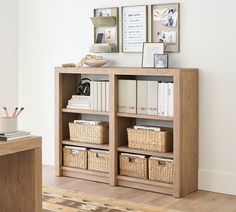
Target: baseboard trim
(217,181)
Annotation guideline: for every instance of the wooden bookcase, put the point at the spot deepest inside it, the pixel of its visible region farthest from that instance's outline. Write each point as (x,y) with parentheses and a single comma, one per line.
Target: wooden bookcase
(184,122)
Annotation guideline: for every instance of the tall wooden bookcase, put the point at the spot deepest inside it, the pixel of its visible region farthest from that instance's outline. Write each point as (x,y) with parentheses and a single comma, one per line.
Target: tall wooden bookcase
(184,122)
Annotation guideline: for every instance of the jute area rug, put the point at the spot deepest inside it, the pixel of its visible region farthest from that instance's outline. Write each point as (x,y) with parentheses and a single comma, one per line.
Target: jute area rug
(59,200)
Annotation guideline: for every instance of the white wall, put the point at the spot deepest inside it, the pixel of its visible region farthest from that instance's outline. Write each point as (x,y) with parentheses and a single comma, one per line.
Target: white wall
(53,32)
(8,54)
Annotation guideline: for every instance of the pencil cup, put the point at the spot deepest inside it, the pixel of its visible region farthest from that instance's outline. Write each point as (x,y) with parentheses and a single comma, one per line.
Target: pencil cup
(8,125)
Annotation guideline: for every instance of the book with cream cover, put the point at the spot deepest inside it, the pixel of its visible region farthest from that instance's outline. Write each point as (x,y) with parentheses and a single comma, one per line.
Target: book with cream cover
(142,97)
(131,96)
(122,96)
(152,97)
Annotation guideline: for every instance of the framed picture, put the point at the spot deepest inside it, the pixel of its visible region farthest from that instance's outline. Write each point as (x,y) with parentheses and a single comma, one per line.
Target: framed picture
(161,60)
(134,28)
(165,25)
(149,50)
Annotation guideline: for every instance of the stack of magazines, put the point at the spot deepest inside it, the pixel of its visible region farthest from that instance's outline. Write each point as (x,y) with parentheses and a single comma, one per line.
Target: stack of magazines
(14,135)
(79,102)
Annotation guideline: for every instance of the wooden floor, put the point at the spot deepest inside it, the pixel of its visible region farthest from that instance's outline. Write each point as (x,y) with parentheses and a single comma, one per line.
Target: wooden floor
(200,201)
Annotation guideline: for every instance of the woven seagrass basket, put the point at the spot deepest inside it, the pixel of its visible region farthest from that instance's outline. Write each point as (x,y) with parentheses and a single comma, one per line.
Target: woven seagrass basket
(98,161)
(161,170)
(151,140)
(133,166)
(94,134)
(75,158)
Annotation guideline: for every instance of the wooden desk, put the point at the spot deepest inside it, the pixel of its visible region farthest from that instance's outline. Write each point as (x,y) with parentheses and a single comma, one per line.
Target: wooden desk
(21,175)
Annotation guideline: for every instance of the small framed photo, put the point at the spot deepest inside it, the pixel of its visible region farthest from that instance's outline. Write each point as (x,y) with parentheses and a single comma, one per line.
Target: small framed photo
(161,60)
(149,50)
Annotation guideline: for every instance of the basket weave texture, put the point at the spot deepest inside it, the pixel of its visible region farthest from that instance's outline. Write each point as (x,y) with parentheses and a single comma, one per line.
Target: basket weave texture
(150,140)
(75,158)
(98,161)
(133,167)
(94,134)
(161,170)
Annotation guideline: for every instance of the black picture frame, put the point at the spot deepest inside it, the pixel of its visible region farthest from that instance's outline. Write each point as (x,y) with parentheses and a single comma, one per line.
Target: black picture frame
(161,61)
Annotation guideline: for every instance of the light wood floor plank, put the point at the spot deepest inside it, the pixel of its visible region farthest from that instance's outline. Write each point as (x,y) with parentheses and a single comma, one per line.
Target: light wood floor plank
(200,201)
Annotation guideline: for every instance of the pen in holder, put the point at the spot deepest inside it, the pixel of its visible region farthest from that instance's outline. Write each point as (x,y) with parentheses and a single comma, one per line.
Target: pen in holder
(8,125)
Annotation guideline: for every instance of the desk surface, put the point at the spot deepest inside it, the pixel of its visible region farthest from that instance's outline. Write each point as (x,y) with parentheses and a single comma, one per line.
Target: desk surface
(11,147)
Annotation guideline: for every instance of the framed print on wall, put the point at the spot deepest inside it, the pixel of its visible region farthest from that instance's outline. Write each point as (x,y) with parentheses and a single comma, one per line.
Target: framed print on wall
(165,25)
(149,50)
(134,28)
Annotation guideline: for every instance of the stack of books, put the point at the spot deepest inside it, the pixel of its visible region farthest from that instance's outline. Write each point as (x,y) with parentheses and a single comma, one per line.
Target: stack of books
(79,102)
(85,122)
(146,97)
(14,135)
(99,91)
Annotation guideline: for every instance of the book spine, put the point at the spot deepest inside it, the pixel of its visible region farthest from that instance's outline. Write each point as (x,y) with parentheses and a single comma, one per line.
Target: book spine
(122,96)
(107,95)
(152,103)
(170,99)
(165,99)
(95,96)
(92,95)
(141,97)
(99,106)
(160,99)
(103,96)
(131,97)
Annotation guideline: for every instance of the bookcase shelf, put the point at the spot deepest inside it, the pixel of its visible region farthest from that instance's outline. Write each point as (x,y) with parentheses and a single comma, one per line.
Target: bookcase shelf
(145,152)
(141,116)
(184,123)
(94,146)
(100,113)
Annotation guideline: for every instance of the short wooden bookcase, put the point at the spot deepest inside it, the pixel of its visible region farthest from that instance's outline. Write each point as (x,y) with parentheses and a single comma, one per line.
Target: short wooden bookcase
(184,122)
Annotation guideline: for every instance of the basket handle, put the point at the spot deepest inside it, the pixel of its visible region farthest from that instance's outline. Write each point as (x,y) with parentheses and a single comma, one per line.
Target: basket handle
(131,159)
(162,163)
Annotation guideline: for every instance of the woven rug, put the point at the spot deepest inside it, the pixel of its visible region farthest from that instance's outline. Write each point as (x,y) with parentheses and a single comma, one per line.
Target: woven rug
(72,201)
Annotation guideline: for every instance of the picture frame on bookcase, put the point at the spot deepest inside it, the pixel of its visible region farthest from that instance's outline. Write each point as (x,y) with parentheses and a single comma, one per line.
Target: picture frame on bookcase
(160,60)
(134,28)
(149,50)
(165,25)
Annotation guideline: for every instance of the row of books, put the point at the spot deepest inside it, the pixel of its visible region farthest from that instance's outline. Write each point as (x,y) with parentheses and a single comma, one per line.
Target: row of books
(146,97)
(97,101)
(14,135)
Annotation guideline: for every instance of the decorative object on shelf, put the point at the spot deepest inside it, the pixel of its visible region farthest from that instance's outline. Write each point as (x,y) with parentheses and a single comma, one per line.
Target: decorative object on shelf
(106,30)
(149,50)
(68,65)
(134,28)
(165,25)
(161,60)
(84,87)
(93,61)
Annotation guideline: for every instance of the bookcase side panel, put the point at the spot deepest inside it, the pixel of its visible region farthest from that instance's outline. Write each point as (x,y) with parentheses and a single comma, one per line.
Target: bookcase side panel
(188,155)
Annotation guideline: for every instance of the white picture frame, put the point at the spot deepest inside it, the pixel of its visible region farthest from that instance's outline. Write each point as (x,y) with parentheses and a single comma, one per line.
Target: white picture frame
(149,50)
(134,28)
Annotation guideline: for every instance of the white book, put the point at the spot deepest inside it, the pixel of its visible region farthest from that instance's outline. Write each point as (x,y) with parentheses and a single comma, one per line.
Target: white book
(75,148)
(78,107)
(152,97)
(103,96)
(131,96)
(170,99)
(99,106)
(95,96)
(142,97)
(133,155)
(78,97)
(162,159)
(165,99)
(107,95)
(122,93)
(157,129)
(92,95)
(159,106)
(85,122)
